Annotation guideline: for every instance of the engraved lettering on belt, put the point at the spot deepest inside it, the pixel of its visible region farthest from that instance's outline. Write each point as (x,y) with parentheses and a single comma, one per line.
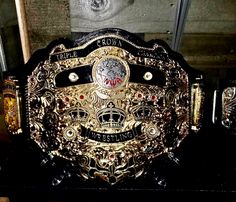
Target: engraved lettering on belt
(111,137)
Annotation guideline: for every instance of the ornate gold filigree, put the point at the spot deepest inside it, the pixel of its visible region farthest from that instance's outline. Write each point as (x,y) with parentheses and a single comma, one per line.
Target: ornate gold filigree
(12,103)
(228,107)
(109,131)
(197,99)
(110,112)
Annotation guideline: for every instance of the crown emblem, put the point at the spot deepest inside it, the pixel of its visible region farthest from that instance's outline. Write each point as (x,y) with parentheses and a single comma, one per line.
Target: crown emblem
(142,112)
(78,114)
(111,117)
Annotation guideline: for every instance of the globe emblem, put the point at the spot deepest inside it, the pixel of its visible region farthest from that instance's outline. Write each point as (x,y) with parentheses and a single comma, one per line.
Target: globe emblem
(110,72)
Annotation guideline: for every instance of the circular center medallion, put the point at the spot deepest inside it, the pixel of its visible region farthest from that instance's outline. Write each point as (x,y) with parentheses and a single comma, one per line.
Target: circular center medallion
(110,72)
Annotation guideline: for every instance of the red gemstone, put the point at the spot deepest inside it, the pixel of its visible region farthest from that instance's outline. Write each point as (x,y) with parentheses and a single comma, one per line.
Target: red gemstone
(81,97)
(154,97)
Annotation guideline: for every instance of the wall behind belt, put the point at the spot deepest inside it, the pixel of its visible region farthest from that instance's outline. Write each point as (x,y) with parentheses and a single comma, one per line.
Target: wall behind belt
(46,21)
(209,39)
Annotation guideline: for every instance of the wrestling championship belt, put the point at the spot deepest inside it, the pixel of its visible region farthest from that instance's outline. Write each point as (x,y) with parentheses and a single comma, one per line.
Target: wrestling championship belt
(108,103)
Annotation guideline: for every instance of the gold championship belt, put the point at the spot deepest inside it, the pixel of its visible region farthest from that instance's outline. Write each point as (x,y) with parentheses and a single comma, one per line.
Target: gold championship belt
(108,104)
